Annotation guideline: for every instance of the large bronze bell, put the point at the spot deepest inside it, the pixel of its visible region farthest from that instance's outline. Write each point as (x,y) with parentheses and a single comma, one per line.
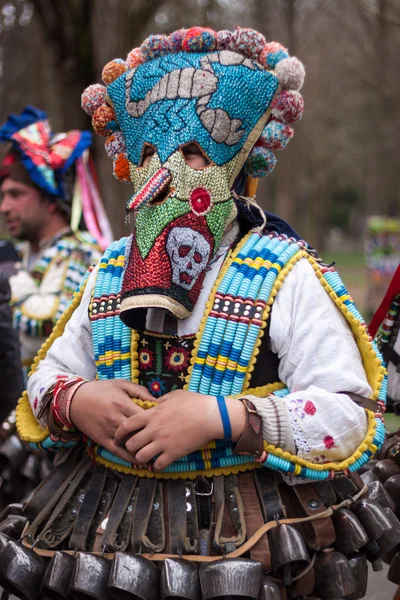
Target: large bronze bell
(16,508)
(377,492)
(13,526)
(369,477)
(21,571)
(179,579)
(372,517)
(333,576)
(133,576)
(289,552)
(231,577)
(12,452)
(56,580)
(89,577)
(350,534)
(269,590)
(4,539)
(390,539)
(359,567)
(394,569)
(385,469)
(392,487)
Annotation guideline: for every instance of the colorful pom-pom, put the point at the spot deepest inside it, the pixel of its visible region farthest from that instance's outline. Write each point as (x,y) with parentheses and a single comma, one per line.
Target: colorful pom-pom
(272,54)
(134,58)
(225,39)
(115,144)
(93,97)
(176,39)
(121,168)
(101,119)
(113,70)
(288,106)
(275,135)
(260,162)
(200,39)
(290,73)
(248,42)
(155,46)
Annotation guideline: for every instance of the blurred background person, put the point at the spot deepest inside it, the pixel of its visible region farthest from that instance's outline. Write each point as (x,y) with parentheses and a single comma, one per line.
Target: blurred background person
(47,194)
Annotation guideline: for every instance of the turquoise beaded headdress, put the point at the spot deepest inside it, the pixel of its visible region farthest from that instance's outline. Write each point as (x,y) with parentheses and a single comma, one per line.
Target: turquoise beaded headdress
(230,93)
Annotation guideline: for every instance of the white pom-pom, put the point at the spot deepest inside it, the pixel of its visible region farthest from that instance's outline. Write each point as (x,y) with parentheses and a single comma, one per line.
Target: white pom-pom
(290,73)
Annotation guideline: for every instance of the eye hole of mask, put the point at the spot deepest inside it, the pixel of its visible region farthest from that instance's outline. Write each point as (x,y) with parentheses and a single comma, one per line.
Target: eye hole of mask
(194,156)
(147,153)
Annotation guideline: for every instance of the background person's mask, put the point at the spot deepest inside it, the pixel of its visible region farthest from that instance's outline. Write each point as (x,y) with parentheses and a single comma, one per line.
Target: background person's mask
(219,100)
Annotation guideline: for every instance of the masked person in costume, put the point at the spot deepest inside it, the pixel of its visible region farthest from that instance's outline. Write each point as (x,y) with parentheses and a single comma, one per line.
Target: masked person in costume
(206,365)
(45,185)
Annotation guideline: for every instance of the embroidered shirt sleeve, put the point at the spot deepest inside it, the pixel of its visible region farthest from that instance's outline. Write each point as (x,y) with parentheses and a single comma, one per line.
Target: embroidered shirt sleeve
(318,358)
(70,356)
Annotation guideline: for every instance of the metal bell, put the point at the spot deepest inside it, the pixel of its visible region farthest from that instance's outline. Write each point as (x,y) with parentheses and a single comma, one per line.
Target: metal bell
(372,517)
(305,584)
(179,579)
(90,577)
(31,468)
(133,576)
(56,580)
(289,553)
(4,539)
(392,487)
(12,452)
(390,539)
(16,508)
(359,568)
(21,571)
(231,577)
(350,534)
(369,477)
(385,469)
(13,526)
(377,492)
(394,569)
(333,576)
(269,590)
(367,466)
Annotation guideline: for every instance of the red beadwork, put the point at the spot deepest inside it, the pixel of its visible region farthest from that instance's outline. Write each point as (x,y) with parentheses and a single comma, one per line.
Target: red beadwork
(309,408)
(200,201)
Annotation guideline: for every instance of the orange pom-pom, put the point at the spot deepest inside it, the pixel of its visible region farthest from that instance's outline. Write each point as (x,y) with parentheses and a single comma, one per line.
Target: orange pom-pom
(113,70)
(121,168)
(134,58)
(102,116)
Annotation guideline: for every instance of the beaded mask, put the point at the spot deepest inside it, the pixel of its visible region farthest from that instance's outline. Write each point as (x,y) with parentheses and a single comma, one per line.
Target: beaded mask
(214,90)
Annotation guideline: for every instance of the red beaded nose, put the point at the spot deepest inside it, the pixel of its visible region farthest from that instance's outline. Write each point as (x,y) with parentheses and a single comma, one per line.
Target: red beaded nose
(200,201)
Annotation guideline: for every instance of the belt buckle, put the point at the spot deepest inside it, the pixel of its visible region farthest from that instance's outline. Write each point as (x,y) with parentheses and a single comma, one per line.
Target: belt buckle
(204,481)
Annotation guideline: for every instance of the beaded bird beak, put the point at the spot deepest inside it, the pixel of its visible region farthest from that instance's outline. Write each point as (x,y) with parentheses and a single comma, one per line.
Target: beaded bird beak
(231,94)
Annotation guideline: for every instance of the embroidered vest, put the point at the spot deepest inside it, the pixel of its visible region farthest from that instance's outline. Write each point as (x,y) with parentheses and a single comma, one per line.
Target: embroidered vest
(225,352)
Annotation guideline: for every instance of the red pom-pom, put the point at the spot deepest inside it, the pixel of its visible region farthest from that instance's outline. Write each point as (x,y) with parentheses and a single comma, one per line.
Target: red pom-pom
(200,39)
(134,58)
(93,97)
(102,116)
(121,168)
(288,106)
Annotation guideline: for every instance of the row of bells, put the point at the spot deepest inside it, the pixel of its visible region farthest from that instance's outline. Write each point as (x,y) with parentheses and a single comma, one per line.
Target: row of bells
(369,530)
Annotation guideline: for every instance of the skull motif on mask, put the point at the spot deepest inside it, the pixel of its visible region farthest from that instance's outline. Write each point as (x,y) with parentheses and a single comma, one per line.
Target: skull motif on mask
(189,252)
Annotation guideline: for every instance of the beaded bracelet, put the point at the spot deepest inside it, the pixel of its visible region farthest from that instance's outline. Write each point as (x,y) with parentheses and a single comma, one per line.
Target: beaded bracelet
(226,423)
(61,402)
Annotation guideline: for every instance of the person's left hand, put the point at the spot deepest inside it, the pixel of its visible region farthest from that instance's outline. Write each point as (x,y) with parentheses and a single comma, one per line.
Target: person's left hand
(181,423)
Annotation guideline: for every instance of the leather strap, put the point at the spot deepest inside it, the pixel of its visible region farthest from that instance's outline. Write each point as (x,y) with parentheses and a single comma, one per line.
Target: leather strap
(88,509)
(392,356)
(268,493)
(321,533)
(236,553)
(96,531)
(254,520)
(251,440)
(118,509)
(362,401)
(230,526)
(142,511)
(183,530)
(70,484)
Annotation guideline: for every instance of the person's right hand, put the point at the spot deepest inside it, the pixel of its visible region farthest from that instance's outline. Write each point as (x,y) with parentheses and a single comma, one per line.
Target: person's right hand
(99,407)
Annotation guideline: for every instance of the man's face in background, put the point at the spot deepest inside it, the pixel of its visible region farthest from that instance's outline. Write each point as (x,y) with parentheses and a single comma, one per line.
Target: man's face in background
(24,209)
